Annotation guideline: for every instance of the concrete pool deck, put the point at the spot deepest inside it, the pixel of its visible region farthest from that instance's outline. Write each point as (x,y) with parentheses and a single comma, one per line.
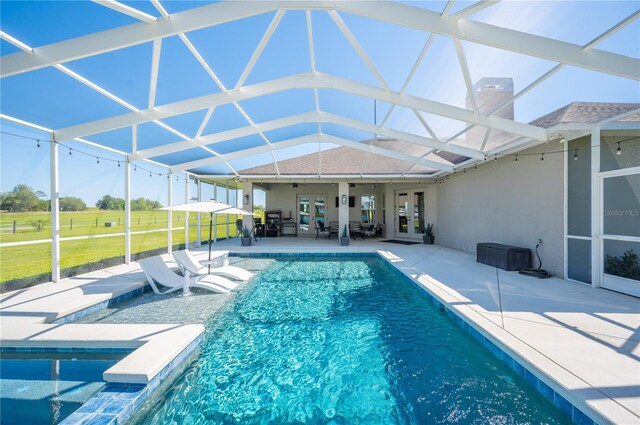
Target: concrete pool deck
(584,342)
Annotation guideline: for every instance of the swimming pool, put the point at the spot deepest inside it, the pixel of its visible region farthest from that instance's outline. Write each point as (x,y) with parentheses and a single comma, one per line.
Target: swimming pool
(45,388)
(318,340)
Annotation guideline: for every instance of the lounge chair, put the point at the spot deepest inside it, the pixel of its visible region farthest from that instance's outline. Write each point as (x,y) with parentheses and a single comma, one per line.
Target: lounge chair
(188,263)
(156,270)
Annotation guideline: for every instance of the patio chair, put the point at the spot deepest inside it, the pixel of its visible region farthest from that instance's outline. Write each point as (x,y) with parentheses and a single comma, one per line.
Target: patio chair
(188,264)
(372,230)
(321,230)
(334,228)
(157,271)
(239,225)
(355,228)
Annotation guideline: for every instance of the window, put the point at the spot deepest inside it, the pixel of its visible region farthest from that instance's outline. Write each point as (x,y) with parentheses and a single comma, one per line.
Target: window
(368,209)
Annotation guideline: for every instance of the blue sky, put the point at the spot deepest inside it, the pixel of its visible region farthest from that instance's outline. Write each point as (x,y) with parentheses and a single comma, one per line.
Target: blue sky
(52,99)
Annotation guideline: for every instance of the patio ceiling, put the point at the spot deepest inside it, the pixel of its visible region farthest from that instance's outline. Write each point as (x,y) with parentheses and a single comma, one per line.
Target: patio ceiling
(255,112)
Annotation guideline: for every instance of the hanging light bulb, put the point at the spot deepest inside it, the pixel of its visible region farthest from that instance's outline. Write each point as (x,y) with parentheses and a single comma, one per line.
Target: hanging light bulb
(516,158)
(150,175)
(475,166)
(542,157)
(69,151)
(575,155)
(495,158)
(37,143)
(135,168)
(619,150)
(118,164)
(97,160)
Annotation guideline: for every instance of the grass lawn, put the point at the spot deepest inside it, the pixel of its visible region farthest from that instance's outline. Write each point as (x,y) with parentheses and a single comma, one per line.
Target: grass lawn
(24,261)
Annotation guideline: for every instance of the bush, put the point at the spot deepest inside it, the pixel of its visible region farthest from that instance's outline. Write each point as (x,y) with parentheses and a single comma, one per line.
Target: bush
(71,203)
(108,202)
(626,266)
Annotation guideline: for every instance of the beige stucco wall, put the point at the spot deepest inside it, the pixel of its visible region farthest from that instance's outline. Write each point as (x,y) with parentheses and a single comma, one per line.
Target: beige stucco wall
(506,202)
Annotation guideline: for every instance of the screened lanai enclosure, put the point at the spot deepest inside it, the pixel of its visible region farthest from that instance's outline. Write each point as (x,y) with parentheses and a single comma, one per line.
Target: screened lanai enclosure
(113,109)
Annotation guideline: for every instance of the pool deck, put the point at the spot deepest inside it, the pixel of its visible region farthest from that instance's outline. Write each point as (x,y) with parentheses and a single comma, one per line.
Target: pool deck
(584,342)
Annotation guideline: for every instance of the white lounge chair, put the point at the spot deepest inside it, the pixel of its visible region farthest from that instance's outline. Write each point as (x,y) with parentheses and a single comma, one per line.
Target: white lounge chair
(156,270)
(188,264)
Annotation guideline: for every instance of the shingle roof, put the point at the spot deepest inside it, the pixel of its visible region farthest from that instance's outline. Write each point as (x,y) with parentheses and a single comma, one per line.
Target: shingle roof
(586,113)
(345,160)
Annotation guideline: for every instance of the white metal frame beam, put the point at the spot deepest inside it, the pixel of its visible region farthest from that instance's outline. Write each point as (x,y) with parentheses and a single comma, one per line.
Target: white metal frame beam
(261,45)
(313,138)
(127,10)
(342,26)
(301,81)
(395,13)
(155,65)
(309,117)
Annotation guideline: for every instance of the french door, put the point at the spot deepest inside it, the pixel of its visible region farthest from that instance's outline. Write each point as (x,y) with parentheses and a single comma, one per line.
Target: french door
(311,208)
(410,213)
(619,235)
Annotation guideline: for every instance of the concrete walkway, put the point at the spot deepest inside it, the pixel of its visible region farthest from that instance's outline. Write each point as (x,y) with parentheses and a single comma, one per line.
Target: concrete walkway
(583,341)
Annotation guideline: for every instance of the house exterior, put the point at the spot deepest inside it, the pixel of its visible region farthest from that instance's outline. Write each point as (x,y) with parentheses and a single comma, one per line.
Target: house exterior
(574,193)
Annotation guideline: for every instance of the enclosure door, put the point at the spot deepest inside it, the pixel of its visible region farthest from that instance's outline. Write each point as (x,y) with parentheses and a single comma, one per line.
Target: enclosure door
(619,236)
(410,213)
(311,208)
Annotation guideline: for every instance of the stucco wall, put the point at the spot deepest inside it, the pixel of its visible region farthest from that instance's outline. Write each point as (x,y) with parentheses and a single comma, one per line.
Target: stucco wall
(506,202)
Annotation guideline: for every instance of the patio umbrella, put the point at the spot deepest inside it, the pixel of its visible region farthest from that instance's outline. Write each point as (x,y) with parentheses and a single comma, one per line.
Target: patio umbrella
(211,207)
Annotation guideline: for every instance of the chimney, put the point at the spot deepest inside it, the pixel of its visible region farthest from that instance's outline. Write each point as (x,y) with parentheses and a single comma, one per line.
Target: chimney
(490,93)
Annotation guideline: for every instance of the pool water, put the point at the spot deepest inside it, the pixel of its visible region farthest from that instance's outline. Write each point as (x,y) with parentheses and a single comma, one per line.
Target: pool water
(327,340)
(45,391)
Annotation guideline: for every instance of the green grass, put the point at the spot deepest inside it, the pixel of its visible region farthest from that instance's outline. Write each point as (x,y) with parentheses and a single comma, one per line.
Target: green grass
(27,261)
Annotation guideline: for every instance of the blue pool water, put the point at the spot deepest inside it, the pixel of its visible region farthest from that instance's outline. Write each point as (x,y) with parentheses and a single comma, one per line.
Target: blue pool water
(45,391)
(326,340)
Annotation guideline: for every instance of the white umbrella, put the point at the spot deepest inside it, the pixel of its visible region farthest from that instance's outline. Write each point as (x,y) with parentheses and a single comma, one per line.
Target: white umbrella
(211,207)
(237,211)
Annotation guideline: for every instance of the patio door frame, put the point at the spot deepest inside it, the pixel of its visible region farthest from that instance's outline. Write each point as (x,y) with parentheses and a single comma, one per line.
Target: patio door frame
(312,204)
(611,282)
(410,212)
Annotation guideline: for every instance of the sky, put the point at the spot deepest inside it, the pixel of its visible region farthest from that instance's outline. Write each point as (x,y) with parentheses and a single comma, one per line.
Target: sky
(54,100)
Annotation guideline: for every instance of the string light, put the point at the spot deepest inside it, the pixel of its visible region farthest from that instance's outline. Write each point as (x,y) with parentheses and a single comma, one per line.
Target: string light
(495,158)
(442,181)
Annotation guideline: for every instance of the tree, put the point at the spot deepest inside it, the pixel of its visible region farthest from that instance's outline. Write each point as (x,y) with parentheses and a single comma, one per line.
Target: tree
(23,198)
(108,202)
(143,204)
(71,203)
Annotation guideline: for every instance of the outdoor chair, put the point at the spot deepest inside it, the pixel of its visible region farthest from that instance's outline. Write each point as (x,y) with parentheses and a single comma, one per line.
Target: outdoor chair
(188,264)
(372,230)
(239,225)
(157,271)
(355,229)
(334,228)
(321,230)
